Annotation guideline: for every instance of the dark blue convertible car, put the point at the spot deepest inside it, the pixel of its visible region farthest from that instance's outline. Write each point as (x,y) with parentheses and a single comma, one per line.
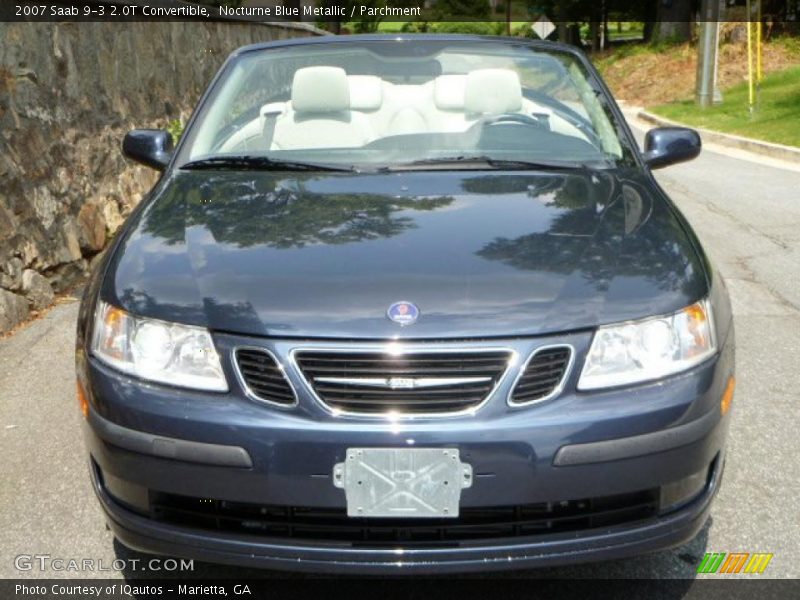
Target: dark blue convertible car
(406,304)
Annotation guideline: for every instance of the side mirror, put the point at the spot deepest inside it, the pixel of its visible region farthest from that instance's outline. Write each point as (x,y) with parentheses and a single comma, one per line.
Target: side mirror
(151,147)
(666,146)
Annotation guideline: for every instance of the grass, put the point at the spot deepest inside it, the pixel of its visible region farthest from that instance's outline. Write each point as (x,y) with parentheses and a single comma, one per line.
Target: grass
(776,117)
(390,26)
(633,49)
(655,74)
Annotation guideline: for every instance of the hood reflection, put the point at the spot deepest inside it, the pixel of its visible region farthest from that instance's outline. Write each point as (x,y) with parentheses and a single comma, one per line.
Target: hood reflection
(481,253)
(280,214)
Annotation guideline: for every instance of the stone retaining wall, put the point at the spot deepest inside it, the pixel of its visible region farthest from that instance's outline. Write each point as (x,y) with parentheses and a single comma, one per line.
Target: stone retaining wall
(68,94)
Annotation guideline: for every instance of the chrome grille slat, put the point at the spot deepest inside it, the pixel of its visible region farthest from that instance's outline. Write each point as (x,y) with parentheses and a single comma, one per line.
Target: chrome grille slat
(543,375)
(356,394)
(416,405)
(409,379)
(548,382)
(356,397)
(262,377)
(272,388)
(455,357)
(406,371)
(544,364)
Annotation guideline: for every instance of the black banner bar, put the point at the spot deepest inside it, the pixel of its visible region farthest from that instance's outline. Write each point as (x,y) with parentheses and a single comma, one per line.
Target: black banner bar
(504,586)
(404,11)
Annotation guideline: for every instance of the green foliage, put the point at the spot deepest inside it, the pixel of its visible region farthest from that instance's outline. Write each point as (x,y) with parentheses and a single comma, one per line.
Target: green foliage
(367,25)
(789,43)
(467,27)
(776,118)
(523,30)
(175,129)
(462,27)
(416,27)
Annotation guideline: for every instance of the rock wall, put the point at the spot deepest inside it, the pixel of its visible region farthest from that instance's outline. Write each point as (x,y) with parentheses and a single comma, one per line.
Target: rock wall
(68,94)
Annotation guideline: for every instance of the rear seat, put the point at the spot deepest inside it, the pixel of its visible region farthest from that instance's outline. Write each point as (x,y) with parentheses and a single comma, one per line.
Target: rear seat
(392,109)
(367,95)
(395,109)
(448,103)
(366,92)
(405,109)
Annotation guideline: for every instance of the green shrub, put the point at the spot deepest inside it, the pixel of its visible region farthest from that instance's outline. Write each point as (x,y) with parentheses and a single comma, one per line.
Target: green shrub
(175,129)
(467,27)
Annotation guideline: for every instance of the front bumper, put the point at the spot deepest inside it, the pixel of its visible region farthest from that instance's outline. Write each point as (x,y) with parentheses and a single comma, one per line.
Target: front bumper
(145,535)
(148,439)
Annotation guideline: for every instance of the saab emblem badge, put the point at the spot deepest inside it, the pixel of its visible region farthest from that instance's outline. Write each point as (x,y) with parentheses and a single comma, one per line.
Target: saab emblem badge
(403,313)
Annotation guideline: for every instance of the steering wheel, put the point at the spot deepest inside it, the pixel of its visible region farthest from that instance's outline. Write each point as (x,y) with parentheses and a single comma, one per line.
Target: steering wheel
(522,119)
(581,123)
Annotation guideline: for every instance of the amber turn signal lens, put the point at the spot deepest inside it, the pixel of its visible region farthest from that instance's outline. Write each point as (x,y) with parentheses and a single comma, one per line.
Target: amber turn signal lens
(727,397)
(697,324)
(83,402)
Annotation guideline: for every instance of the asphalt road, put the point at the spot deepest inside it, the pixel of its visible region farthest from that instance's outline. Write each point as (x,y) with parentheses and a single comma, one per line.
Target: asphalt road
(748,216)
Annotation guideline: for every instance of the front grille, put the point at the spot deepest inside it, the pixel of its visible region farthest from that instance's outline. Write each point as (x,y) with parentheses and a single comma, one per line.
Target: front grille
(543,374)
(333,524)
(421,382)
(263,377)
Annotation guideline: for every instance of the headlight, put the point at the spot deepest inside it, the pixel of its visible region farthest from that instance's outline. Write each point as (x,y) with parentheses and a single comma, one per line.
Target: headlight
(179,355)
(650,348)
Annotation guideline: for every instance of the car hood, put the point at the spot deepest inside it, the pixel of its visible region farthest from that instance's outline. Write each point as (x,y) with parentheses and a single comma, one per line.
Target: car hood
(481,253)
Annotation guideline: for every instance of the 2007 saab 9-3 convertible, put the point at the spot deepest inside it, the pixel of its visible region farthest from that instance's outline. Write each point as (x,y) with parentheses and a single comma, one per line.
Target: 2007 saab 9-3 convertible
(406,304)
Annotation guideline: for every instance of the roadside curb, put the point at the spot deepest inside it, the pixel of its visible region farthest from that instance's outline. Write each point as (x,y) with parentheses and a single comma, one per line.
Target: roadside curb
(778,151)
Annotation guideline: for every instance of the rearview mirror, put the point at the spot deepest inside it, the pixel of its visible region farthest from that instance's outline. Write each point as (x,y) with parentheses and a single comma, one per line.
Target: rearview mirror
(666,146)
(150,147)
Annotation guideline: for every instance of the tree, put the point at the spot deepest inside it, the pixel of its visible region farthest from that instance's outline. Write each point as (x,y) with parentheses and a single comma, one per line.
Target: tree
(673,21)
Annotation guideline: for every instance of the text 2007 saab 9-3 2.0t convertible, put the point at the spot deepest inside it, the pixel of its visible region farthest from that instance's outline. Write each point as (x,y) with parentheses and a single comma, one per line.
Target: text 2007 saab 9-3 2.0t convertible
(406,304)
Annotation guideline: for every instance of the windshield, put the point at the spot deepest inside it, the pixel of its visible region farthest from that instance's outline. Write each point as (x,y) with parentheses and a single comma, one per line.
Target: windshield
(395,103)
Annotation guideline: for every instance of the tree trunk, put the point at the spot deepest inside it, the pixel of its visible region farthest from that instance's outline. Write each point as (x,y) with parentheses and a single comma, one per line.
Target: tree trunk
(594,34)
(561,16)
(673,22)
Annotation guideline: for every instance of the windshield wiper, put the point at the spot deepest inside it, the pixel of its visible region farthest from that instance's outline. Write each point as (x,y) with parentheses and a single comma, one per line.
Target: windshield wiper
(482,162)
(260,163)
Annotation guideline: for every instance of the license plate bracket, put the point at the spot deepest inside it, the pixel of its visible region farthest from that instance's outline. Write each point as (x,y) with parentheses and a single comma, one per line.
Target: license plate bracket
(402,482)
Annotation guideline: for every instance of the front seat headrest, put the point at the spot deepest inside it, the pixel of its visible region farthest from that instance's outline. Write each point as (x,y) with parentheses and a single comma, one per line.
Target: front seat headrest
(320,90)
(492,92)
